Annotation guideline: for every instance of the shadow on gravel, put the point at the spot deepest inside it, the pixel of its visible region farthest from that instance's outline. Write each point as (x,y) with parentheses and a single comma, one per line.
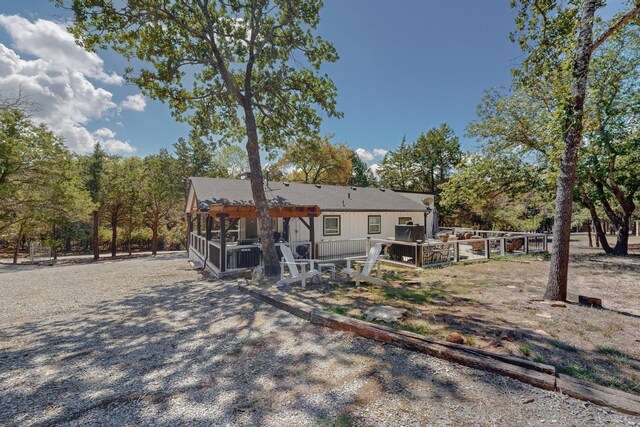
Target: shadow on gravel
(204,346)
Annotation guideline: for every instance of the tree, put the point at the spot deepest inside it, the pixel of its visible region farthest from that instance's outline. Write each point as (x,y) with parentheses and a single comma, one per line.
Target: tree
(231,161)
(40,188)
(559,37)
(396,170)
(317,162)
(361,174)
(435,155)
(132,199)
(92,167)
(161,192)
(495,190)
(228,68)
(609,165)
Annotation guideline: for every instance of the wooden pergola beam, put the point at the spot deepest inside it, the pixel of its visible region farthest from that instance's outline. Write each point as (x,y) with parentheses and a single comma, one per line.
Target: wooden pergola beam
(249,211)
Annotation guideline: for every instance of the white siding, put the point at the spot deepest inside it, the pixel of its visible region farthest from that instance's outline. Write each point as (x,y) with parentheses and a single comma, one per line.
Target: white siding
(354,225)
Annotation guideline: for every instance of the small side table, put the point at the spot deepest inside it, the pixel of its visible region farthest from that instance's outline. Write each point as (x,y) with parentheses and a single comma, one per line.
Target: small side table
(328,266)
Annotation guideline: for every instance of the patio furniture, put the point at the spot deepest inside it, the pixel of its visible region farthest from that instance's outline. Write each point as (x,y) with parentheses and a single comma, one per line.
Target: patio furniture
(367,266)
(328,266)
(296,275)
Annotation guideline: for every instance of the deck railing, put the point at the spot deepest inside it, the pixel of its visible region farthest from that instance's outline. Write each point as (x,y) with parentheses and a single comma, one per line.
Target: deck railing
(418,254)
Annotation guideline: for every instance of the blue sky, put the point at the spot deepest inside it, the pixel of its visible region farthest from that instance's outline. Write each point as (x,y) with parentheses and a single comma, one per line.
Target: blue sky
(405,66)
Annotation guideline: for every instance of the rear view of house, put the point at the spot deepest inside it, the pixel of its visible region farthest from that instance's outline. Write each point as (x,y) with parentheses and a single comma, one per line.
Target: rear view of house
(321,221)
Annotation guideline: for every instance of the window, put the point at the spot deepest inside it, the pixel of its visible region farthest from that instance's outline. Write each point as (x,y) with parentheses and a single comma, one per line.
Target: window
(404,219)
(375,224)
(331,225)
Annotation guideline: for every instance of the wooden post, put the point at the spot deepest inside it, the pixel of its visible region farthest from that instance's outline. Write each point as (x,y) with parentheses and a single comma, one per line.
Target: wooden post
(199,222)
(526,244)
(457,249)
(223,241)
(207,235)
(545,243)
(419,252)
(503,246)
(312,236)
(189,231)
(487,249)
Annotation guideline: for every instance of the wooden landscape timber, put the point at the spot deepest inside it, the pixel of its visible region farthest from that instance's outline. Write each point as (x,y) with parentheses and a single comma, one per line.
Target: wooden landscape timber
(537,374)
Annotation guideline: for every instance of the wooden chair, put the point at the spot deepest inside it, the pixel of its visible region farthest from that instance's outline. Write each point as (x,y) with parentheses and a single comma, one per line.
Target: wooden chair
(367,266)
(296,275)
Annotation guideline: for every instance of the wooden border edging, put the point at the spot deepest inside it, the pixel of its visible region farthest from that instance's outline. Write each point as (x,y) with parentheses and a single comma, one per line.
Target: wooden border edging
(536,374)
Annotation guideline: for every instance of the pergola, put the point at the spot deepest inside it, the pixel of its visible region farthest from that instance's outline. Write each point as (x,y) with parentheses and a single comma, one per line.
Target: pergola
(233,214)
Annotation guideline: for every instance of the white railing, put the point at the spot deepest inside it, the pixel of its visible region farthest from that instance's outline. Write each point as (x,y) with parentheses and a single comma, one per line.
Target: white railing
(419,254)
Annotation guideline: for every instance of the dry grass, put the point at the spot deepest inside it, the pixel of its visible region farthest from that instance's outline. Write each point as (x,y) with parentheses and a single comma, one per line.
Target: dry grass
(496,305)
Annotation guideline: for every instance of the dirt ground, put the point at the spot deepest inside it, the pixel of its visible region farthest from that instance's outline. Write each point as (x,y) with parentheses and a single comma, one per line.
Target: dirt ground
(497,305)
(150,342)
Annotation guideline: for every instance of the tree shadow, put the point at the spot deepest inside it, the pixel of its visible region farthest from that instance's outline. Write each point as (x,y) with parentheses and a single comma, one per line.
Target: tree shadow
(198,345)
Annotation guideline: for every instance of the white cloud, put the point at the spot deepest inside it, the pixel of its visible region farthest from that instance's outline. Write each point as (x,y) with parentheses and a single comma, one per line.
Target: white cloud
(364,154)
(374,168)
(367,156)
(134,102)
(107,139)
(380,152)
(56,80)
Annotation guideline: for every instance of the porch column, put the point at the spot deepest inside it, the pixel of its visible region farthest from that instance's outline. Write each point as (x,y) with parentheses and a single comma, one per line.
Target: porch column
(312,236)
(199,221)
(285,229)
(189,230)
(223,241)
(207,234)
(426,233)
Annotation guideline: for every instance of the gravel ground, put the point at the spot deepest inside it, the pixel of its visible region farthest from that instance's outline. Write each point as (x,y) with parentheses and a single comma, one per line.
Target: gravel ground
(149,342)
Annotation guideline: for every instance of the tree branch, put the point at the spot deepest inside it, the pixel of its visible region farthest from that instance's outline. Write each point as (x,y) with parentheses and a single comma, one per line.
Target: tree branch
(615,27)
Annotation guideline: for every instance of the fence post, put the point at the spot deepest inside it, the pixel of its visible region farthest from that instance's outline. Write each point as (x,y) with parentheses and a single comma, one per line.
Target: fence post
(503,244)
(456,248)
(419,252)
(486,248)
(526,244)
(368,244)
(544,243)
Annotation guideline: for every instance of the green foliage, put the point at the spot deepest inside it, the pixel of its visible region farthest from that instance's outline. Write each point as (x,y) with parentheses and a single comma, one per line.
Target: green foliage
(317,161)
(208,59)
(361,175)
(496,191)
(39,182)
(423,165)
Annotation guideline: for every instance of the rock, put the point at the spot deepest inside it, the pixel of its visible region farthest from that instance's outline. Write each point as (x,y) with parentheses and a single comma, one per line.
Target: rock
(541,332)
(512,287)
(258,274)
(245,274)
(524,402)
(544,315)
(385,313)
(591,301)
(456,338)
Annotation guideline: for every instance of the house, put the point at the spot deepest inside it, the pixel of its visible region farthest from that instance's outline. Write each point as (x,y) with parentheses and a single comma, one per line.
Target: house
(330,221)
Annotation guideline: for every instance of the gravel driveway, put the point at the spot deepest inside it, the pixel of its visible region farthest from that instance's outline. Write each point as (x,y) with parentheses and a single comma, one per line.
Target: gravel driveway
(150,342)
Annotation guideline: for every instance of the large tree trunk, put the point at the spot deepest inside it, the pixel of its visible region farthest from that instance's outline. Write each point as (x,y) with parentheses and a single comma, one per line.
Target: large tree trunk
(557,283)
(16,250)
(622,244)
(114,233)
(154,237)
(95,237)
(54,247)
(269,256)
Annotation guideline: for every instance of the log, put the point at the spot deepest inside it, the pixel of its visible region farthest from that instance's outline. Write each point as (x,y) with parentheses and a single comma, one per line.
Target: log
(591,301)
(390,336)
(600,395)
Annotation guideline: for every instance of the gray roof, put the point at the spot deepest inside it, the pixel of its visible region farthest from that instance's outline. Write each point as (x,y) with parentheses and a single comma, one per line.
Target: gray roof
(210,191)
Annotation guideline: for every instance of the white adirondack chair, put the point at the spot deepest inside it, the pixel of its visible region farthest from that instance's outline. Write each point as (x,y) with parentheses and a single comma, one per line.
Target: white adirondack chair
(296,275)
(367,266)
